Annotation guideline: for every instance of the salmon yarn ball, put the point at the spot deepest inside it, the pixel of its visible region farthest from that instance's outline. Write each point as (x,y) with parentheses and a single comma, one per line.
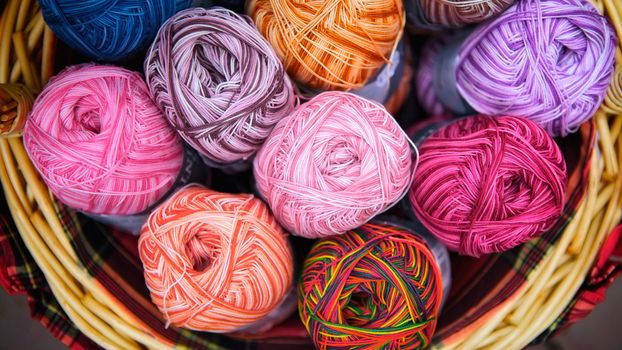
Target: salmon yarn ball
(487,184)
(214,261)
(375,287)
(330,44)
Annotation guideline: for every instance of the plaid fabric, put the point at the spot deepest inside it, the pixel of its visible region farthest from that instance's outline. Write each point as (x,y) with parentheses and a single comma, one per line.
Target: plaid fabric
(19,274)
(606,269)
(484,284)
(480,285)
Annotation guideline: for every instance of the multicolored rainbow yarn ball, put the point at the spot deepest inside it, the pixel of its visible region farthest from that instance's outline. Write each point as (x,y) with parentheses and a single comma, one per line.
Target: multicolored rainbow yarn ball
(333,164)
(218,82)
(375,287)
(107,30)
(215,262)
(487,184)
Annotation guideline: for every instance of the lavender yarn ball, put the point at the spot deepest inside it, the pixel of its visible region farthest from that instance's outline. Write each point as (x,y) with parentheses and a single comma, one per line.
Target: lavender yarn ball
(548,60)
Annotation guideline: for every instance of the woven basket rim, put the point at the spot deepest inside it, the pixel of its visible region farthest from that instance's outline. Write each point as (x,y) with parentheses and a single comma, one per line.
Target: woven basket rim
(97,313)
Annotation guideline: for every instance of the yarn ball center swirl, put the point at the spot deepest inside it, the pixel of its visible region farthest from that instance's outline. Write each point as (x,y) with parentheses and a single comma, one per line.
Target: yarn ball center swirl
(100,143)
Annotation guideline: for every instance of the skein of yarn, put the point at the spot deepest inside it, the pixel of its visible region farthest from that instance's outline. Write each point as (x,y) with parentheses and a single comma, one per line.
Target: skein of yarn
(330,45)
(213,261)
(453,13)
(218,82)
(100,143)
(333,164)
(487,184)
(548,60)
(107,30)
(376,287)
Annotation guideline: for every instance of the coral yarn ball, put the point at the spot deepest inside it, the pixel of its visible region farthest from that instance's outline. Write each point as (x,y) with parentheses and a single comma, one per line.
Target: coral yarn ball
(376,287)
(213,261)
(333,164)
(487,184)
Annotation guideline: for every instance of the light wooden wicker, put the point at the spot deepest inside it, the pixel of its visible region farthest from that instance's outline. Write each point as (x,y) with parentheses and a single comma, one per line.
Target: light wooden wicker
(26,56)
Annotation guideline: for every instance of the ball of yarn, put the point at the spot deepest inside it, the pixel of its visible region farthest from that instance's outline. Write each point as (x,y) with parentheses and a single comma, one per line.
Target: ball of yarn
(457,13)
(100,143)
(331,44)
(214,261)
(108,30)
(218,82)
(487,184)
(548,60)
(333,164)
(376,287)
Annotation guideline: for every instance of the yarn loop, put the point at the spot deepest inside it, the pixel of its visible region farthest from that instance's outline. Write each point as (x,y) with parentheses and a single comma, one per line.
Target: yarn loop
(108,30)
(375,287)
(548,60)
(330,45)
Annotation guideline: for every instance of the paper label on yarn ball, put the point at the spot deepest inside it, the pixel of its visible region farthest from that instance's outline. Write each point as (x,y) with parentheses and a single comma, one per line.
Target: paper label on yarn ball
(192,171)
(439,251)
(385,83)
(445,83)
(236,167)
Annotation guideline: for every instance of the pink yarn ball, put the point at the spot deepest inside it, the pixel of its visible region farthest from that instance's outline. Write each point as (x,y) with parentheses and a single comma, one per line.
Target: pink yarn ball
(487,184)
(333,164)
(100,143)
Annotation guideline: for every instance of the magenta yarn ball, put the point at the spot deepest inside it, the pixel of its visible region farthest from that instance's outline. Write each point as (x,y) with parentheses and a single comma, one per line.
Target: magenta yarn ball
(487,184)
(333,164)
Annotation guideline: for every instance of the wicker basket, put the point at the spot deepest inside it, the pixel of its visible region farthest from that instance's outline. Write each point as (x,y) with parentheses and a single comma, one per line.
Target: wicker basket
(526,310)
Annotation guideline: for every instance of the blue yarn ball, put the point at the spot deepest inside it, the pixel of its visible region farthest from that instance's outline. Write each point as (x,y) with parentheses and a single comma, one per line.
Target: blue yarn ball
(108,30)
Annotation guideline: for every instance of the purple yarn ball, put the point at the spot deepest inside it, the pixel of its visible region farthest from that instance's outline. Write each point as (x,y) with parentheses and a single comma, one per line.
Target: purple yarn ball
(548,60)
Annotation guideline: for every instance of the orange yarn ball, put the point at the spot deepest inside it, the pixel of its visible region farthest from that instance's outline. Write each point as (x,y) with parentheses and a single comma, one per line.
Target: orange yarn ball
(214,261)
(330,44)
